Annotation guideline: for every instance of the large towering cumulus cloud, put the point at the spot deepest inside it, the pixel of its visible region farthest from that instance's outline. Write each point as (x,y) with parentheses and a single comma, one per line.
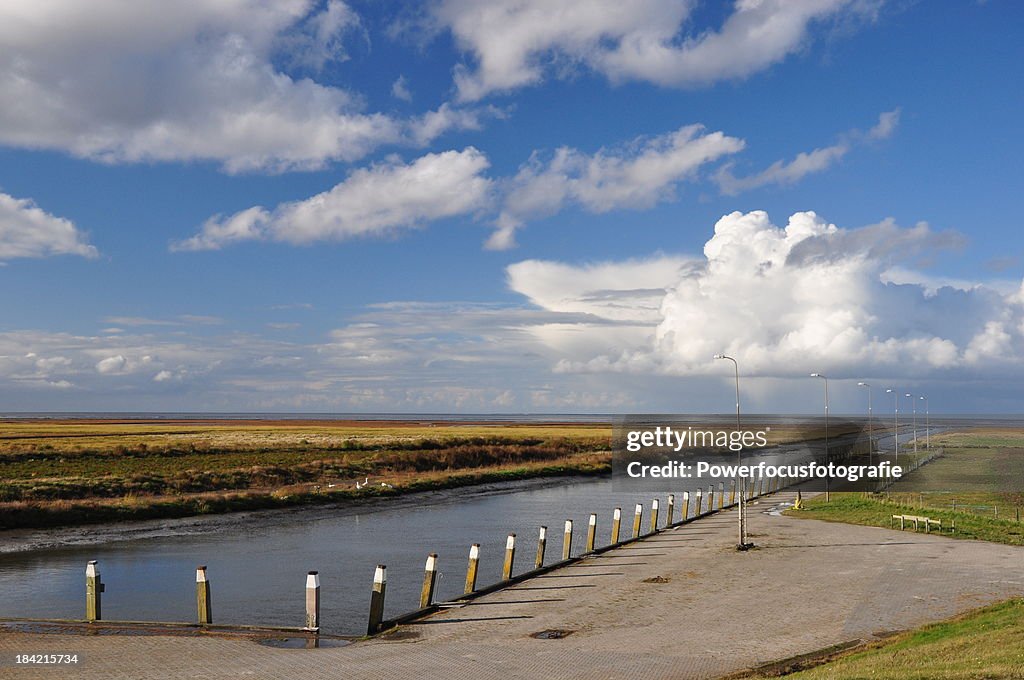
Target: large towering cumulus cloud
(813,296)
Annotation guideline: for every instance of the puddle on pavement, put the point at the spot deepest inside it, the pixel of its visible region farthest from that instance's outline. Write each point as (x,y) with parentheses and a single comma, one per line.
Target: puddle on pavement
(303,642)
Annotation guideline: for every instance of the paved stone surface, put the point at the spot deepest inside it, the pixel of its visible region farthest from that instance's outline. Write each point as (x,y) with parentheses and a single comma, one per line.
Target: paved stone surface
(809,585)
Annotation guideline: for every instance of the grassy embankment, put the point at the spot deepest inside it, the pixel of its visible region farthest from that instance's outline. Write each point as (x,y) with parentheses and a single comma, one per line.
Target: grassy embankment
(987,643)
(64,473)
(973,461)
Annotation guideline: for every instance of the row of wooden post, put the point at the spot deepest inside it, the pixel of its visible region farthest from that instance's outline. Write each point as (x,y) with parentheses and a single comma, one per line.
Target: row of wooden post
(95,587)
(430,574)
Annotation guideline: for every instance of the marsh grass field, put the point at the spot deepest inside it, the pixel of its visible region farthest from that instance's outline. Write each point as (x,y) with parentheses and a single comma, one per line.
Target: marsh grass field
(67,472)
(56,473)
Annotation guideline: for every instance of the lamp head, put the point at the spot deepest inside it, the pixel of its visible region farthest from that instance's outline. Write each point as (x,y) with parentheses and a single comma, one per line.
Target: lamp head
(815,375)
(863,384)
(717,356)
(888,390)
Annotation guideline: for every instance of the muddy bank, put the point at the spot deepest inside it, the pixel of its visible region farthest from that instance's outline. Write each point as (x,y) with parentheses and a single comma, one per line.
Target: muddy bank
(24,540)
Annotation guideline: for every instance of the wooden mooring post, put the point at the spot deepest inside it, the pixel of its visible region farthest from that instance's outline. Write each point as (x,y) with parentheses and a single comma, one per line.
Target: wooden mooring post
(670,510)
(685,514)
(542,542)
(471,570)
(616,524)
(313,601)
(205,616)
(591,532)
(510,557)
(654,515)
(429,581)
(567,540)
(638,515)
(93,589)
(380,584)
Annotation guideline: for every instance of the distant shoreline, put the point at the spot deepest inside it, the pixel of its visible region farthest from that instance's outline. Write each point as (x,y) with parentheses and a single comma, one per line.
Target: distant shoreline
(293,422)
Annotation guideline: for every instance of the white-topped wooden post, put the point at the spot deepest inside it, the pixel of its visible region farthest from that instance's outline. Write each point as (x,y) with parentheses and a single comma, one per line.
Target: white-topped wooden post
(686,505)
(429,581)
(654,515)
(711,497)
(542,541)
(721,495)
(591,532)
(510,556)
(203,597)
(380,584)
(567,540)
(698,503)
(670,509)
(638,515)
(471,570)
(313,601)
(616,524)
(93,588)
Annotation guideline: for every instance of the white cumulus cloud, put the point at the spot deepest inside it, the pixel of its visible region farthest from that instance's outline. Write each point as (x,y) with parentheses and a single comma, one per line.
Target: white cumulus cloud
(636,175)
(114,364)
(788,300)
(371,201)
(27,230)
(516,42)
(228,81)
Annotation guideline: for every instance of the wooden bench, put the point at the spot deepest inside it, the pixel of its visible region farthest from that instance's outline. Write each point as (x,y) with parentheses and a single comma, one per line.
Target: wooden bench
(918,520)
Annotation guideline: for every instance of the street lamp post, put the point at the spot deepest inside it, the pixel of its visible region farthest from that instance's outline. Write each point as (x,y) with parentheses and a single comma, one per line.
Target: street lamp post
(913,405)
(827,457)
(871,439)
(742,525)
(896,421)
(927,425)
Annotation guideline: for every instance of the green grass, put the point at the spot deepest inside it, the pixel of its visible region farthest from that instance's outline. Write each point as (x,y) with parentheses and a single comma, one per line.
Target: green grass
(971,485)
(854,508)
(984,644)
(981,438)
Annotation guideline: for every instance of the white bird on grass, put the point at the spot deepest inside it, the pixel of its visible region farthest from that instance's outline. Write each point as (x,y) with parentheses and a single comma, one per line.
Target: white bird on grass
(365,482)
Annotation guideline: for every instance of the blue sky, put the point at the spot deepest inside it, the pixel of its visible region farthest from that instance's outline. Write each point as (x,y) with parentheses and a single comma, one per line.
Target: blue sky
(508,205)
